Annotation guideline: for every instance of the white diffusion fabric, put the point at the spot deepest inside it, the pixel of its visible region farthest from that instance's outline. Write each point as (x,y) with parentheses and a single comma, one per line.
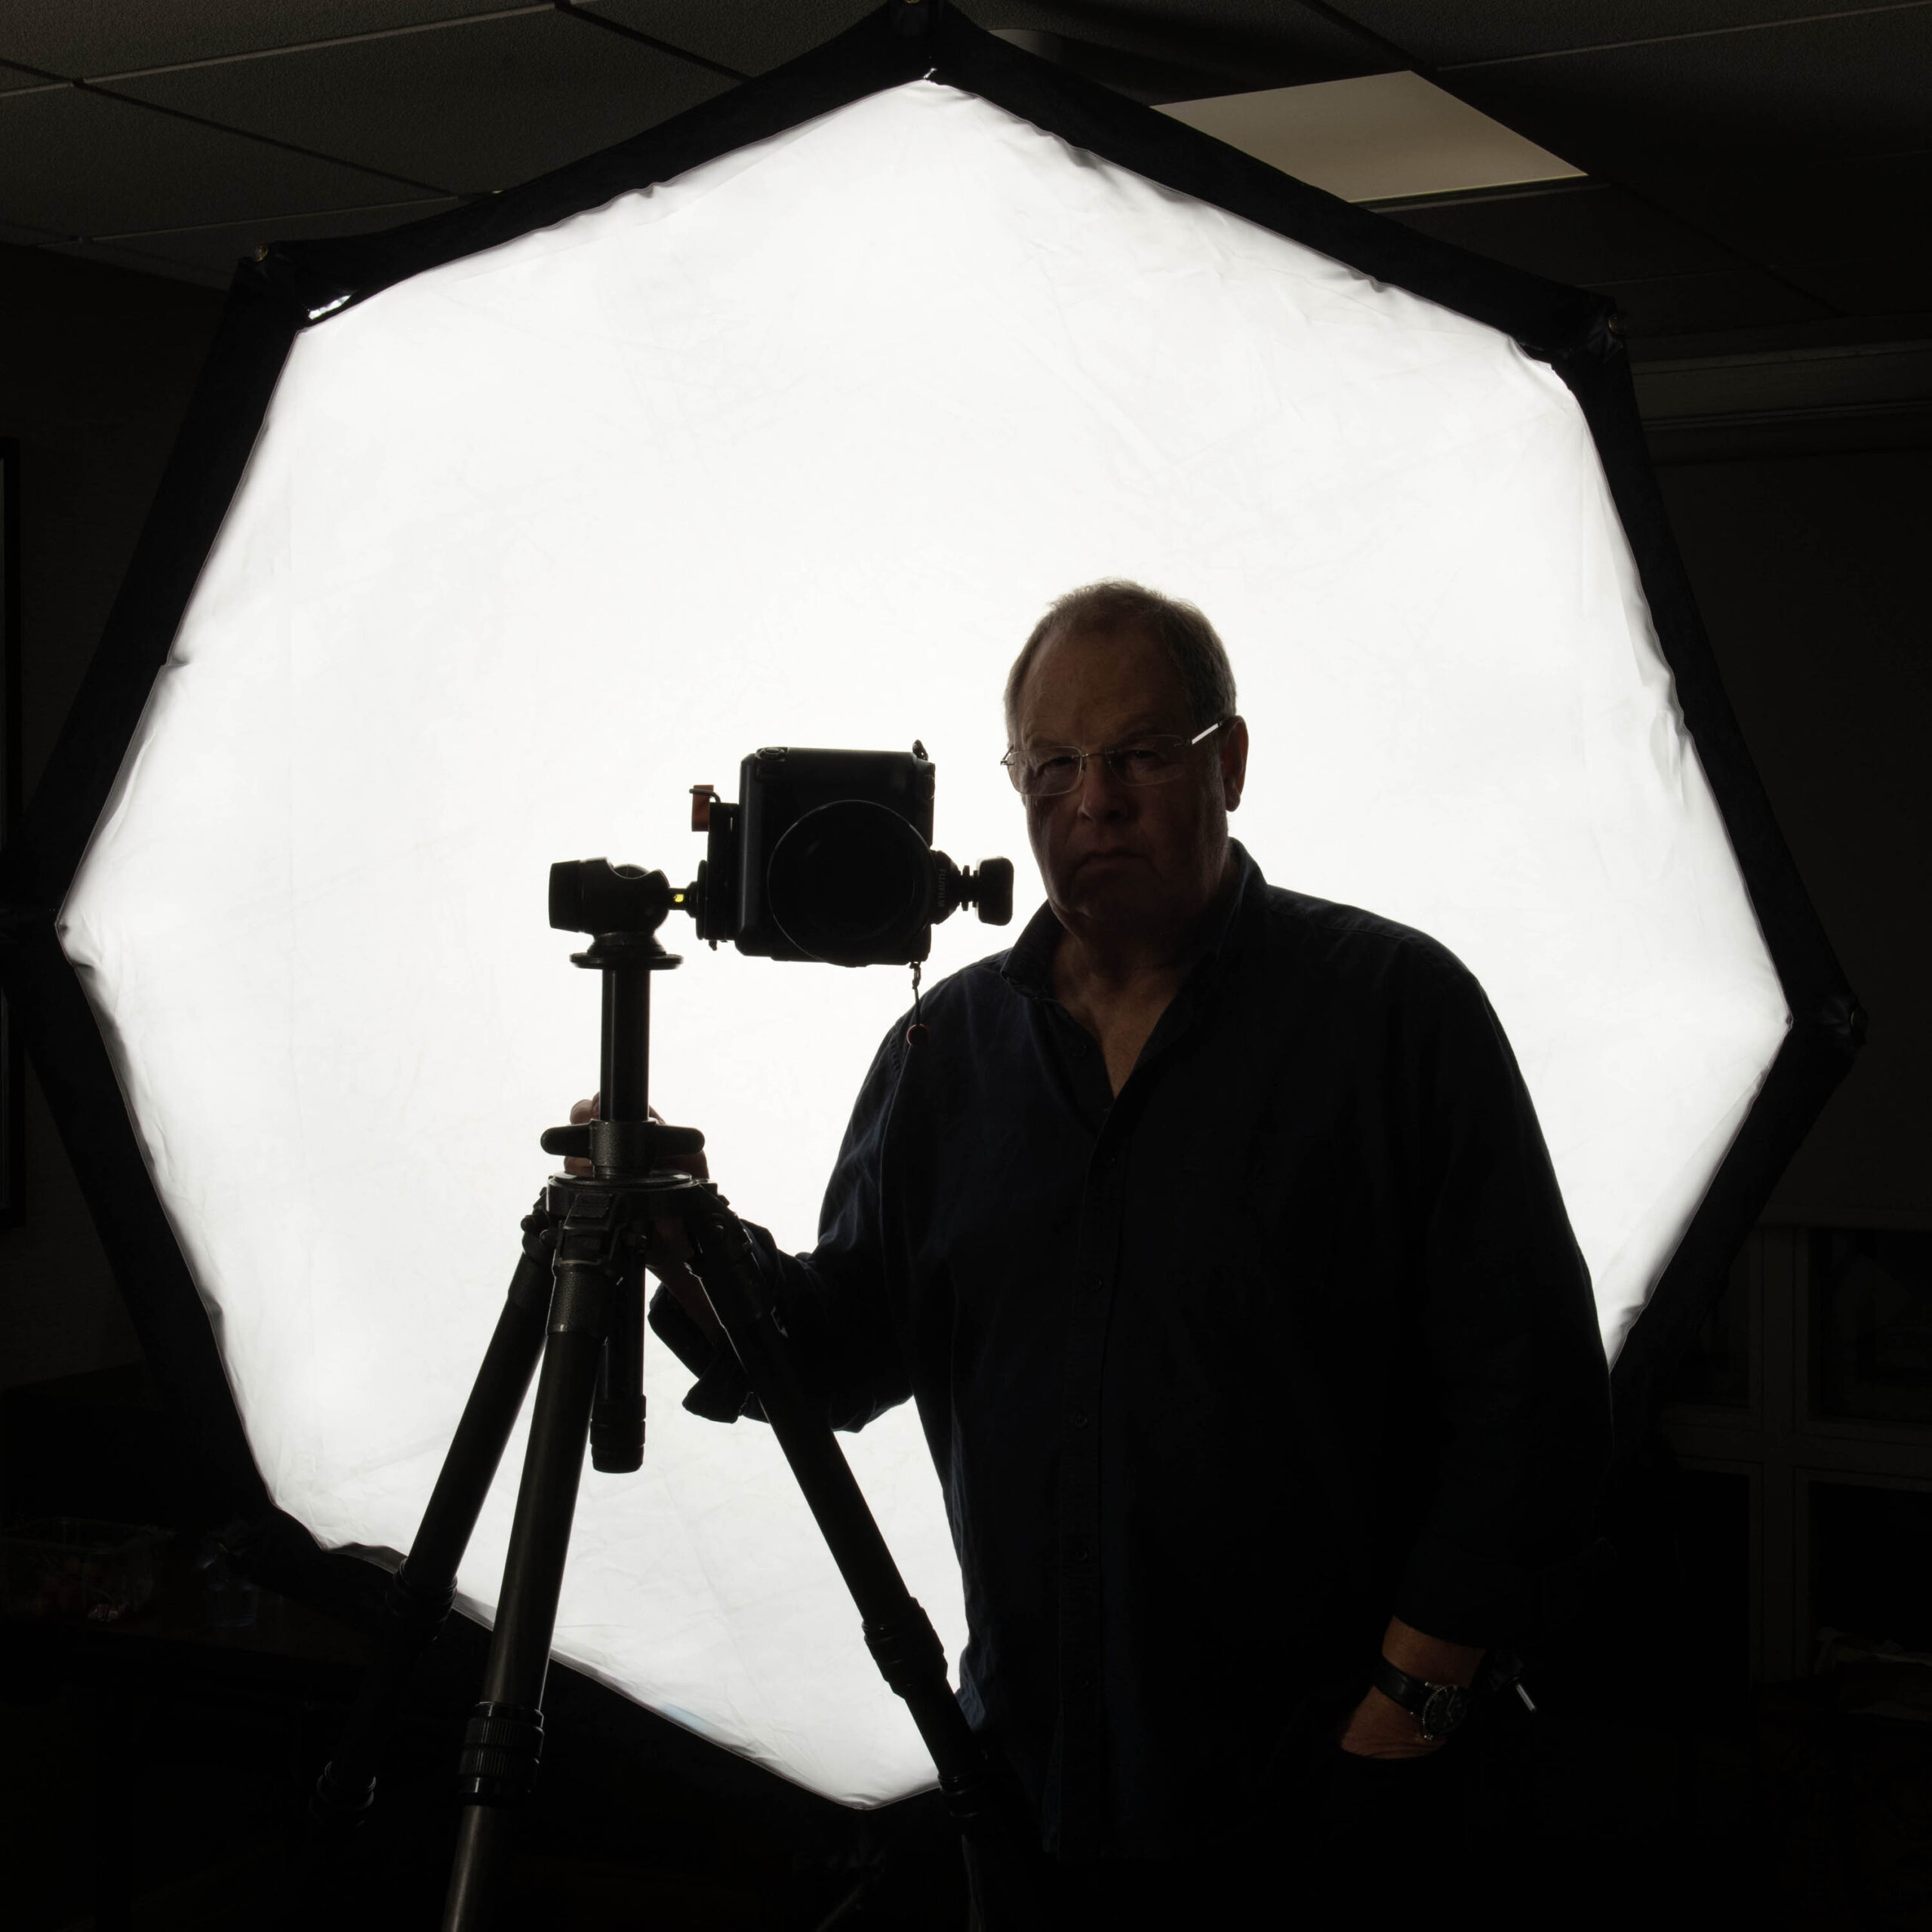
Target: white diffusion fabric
(795,450)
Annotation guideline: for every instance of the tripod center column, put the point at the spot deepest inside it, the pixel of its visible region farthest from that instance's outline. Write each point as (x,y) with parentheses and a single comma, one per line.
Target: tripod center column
(625,1076)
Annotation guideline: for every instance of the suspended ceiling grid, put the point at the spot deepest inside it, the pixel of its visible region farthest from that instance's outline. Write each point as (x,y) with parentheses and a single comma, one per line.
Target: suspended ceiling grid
(1747,164)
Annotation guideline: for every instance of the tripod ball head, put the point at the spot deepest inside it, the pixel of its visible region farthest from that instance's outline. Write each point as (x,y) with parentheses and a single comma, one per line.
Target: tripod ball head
(593,896)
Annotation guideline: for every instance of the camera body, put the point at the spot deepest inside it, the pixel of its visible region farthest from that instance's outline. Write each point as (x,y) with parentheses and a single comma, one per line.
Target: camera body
(828,856)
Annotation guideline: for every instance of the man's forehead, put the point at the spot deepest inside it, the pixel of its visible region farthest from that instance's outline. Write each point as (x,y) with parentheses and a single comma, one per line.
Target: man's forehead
(1038,728)
(1125,681)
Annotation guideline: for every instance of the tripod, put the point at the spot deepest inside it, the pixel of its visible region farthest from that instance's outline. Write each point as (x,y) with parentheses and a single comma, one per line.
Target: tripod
(577,1302)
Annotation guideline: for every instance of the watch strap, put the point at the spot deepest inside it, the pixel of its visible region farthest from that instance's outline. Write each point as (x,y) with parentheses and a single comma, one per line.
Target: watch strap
(1438,1708)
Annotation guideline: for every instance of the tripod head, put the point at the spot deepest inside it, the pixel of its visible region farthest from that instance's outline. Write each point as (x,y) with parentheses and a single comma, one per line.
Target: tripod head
(633,1158)
(625,904)
(622,906)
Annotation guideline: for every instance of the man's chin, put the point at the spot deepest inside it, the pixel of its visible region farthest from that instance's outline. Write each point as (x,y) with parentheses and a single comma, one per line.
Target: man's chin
(1114,893)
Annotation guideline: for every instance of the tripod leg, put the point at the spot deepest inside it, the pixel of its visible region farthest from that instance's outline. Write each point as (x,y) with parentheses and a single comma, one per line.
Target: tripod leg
(984,1803)
(505,1735)
(419,1594)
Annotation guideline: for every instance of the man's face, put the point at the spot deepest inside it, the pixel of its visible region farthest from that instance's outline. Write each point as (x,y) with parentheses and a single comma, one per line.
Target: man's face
(1118,858)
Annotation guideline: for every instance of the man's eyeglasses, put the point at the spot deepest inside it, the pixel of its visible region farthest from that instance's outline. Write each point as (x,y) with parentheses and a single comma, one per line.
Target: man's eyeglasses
(1046,771)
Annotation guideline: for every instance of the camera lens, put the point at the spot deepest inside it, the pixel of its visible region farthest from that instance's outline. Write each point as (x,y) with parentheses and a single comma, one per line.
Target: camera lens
(852,883)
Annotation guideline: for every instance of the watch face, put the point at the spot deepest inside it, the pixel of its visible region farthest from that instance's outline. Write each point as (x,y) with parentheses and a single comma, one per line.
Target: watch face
(1444,1709)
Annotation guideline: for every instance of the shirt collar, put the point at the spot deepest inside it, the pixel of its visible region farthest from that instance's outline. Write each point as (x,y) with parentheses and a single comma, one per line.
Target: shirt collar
(1029,966)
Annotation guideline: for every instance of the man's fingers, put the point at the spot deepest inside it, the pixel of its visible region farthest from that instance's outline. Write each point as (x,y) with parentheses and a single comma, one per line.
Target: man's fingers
(583,1111)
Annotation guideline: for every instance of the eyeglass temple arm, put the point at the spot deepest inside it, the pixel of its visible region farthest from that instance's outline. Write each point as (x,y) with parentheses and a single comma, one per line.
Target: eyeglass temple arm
(1012,751)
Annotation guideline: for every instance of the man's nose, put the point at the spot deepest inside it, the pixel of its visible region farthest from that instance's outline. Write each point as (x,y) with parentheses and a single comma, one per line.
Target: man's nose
(1102,795)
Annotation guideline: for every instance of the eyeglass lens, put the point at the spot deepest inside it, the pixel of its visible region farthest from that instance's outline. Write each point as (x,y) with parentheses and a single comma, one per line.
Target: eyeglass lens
(1048,770)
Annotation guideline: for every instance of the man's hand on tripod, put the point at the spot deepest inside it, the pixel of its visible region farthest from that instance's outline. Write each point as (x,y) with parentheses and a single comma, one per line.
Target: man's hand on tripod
(669,1250)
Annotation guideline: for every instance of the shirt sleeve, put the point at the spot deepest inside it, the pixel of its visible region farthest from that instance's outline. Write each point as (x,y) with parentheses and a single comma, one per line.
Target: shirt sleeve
(834,1303)
(1517,1385)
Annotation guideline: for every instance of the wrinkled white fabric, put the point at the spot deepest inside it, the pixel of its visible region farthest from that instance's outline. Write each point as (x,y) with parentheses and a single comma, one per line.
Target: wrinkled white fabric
(794,449)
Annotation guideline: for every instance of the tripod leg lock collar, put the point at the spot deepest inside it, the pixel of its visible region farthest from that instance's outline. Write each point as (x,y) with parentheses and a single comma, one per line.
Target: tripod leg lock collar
(907,1650)
(501,1745)
(417,1610)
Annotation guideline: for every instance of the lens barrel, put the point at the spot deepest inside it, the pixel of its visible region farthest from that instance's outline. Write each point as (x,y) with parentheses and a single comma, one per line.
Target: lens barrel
(853,882)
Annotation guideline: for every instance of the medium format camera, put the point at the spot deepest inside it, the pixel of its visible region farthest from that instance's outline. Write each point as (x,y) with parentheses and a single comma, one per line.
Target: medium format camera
(827,855)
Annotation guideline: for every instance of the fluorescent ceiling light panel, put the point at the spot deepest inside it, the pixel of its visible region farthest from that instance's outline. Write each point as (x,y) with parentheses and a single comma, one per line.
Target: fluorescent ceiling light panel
(794,448)
(1375,139)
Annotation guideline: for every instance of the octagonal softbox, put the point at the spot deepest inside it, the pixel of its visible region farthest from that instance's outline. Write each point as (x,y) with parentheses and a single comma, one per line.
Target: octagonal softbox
(487,537)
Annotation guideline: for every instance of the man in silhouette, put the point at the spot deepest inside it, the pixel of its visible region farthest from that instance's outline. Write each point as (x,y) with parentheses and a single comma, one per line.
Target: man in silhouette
(1211,1229)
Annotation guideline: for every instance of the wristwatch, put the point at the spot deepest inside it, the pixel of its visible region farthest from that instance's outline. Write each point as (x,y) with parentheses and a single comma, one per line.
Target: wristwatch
(1438,1708)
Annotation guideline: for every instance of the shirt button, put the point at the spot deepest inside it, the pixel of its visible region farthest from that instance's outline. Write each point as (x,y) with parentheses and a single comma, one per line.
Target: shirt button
(1094,1284)
(1080,1418)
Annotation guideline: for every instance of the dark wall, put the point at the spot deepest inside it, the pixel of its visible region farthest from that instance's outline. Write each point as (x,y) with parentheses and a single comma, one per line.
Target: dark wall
(1810,570)
(1806,566)
(96,366)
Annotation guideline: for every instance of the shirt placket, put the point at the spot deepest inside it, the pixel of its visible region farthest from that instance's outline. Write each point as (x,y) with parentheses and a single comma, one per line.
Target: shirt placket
(1083,1726)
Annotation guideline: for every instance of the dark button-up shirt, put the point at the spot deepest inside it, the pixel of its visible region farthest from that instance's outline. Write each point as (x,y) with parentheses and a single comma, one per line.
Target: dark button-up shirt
(1218,1374)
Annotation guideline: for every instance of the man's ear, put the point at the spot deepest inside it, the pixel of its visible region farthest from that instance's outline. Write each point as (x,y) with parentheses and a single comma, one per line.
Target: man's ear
(1234,762)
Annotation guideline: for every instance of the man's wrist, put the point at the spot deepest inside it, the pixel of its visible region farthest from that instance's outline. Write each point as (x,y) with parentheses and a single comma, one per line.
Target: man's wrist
(1379,1726)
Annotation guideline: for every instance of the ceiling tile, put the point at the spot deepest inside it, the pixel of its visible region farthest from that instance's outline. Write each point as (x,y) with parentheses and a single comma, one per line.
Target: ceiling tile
(752,38)
(1579,233)
(124,255)
(85,39)
(1896,284)
(1871,376)
(1240,34)
(1688,305)
(1819,212)
(221,245)
(1810,91)
(1503,29)
(1374,136)
(1250,43)
(81,163)
(17,80)
(1191,50)
(22,236)
(480,106)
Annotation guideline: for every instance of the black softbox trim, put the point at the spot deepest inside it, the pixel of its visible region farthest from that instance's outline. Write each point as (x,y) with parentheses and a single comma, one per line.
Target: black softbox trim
(297,285)
(176,1333)
(251,344)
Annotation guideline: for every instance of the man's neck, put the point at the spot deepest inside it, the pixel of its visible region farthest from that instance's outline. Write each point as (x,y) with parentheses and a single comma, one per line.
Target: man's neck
(1097,966)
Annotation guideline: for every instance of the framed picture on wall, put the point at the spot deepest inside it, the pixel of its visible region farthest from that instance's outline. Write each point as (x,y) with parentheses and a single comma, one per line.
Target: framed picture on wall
(13,1065)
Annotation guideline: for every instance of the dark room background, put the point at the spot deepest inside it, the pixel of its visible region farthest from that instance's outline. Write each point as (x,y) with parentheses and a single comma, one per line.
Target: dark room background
(1795,451)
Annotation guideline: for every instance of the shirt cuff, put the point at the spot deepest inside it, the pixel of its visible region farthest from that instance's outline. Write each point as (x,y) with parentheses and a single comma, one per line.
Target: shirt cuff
(1463,1597)
(1459,1596)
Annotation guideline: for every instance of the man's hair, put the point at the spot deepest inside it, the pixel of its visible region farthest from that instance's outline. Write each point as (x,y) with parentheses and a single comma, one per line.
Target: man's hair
(1107,609)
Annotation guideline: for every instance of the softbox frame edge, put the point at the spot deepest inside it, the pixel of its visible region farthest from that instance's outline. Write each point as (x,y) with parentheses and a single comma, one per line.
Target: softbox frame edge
(270,302)
(217,435)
